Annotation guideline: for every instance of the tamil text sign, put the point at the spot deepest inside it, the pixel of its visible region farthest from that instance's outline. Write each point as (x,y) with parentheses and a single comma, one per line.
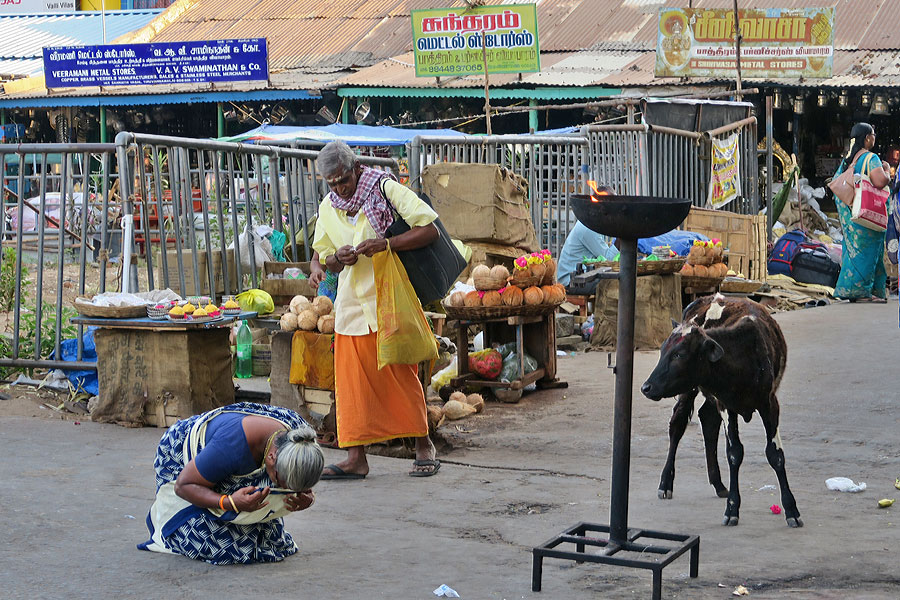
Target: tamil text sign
(775,43)
(147,64)
(449,41)
(725,181)
(36,6)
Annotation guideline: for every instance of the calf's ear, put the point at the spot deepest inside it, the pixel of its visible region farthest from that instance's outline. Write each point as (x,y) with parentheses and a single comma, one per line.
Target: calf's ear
(675,323)
(712,350)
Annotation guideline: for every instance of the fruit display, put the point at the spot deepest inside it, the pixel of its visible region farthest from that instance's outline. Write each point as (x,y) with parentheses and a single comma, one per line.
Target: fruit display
(306,315)
(538,266)
(705,260)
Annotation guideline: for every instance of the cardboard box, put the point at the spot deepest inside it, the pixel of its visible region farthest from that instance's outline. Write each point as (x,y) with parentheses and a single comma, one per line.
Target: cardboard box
(187,267)
(483,203)
(282,290)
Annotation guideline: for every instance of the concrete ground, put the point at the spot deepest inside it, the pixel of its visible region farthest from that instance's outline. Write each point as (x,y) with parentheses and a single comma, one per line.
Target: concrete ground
(74,496)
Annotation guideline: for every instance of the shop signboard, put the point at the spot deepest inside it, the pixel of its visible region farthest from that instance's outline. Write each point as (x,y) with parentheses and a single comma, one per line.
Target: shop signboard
(776,42)
(449,41)
(725,180)
(8,7)
(213,61)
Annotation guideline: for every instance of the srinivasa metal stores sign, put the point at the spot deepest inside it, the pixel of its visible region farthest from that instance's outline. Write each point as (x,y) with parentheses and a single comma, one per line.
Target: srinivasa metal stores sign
(451,41)
(776,42)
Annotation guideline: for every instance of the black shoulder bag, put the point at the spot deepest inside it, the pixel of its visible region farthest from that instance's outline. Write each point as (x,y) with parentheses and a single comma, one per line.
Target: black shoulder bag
(433,268)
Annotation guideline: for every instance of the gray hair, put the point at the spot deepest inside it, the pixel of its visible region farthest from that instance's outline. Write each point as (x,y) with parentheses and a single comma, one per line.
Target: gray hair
(299,459)
(334,157)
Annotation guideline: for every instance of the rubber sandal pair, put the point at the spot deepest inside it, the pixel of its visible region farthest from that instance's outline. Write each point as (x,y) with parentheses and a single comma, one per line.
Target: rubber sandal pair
(426,463)
(339,473)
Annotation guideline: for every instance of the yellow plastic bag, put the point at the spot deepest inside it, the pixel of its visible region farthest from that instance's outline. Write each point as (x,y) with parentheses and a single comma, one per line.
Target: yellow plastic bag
(404,337)
(256,301)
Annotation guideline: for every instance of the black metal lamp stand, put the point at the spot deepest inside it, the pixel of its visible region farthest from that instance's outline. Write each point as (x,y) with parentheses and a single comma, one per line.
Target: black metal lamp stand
(619,545)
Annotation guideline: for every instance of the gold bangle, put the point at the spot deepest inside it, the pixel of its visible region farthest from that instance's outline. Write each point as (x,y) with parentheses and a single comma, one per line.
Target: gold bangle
(233,505)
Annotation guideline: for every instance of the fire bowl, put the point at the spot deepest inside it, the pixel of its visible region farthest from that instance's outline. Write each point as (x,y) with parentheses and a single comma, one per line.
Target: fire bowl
(630,217)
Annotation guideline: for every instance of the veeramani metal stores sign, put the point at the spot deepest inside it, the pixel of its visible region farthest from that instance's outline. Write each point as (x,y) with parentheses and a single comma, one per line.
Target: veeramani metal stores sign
(776,43)
(448,41)
(147,64)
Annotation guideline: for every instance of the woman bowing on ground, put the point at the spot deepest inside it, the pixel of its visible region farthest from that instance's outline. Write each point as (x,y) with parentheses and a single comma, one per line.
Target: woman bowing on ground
(225,479)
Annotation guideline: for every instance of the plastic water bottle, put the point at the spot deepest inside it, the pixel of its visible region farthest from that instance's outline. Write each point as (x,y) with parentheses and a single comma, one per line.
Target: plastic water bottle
(244,368)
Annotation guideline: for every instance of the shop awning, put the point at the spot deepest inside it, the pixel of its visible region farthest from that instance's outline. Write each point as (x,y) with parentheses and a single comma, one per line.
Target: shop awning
(354,135)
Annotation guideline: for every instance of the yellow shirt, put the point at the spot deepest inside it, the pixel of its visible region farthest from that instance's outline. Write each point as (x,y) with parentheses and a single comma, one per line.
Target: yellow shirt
(355,305)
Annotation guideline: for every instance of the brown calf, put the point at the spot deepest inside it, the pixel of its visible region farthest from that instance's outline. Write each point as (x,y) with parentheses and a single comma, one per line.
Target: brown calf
(733,351)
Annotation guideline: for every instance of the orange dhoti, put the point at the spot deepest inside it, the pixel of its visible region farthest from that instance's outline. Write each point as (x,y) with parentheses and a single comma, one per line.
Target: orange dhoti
(374,405)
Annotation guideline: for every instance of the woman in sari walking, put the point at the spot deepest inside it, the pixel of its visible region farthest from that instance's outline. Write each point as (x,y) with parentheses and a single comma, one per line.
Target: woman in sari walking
(863,277)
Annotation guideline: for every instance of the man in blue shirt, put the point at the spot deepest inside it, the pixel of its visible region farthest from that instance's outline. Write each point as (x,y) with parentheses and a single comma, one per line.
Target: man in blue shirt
(580,243)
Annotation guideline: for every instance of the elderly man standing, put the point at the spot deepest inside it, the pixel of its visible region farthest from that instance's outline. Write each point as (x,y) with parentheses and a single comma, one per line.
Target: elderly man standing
(373,405)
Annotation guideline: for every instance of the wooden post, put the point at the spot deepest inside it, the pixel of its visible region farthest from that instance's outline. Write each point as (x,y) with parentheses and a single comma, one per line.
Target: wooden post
(737,47)
(487,95)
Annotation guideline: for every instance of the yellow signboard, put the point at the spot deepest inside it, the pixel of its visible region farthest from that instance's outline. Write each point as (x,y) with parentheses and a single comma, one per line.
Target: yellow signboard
(449,41)
(725,180)
(776,43)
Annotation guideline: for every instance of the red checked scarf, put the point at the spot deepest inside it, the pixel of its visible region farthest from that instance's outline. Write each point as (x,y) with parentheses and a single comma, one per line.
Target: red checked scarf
(368,198)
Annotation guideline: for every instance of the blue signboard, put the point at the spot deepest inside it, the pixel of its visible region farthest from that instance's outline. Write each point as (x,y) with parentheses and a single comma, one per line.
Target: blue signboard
(148,64)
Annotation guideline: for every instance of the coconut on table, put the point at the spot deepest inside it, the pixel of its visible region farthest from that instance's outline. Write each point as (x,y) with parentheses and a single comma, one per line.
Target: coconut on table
(516,307)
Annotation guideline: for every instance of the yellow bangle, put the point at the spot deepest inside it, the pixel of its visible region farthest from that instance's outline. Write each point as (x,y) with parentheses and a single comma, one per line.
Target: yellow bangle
(233,505)
(222,501)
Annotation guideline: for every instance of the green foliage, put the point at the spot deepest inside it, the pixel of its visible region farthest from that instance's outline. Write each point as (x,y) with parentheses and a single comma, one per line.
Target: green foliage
(8,279)
(28,330)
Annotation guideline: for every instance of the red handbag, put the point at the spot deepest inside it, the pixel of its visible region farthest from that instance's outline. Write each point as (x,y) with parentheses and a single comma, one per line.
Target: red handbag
(870,203)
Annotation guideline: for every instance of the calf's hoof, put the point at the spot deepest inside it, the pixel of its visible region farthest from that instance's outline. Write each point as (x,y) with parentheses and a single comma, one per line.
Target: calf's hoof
(794,522)
(664,494)
(730,521)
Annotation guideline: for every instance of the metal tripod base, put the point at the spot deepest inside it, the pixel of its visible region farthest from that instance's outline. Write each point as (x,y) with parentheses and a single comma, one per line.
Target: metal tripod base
(649,556)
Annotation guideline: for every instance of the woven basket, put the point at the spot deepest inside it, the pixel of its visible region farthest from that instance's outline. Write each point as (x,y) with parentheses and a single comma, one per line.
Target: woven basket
(740,286)
(488,283)
(526,282)
(703,260)
(84,307)
(700,282)
(157,314)
(494,312)
(645,267)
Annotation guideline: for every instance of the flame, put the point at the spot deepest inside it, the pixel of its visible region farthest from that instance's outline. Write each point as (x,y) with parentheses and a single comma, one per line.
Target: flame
(597,191)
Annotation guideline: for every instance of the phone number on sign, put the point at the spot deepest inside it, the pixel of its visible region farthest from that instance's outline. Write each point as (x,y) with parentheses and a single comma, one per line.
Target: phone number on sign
(453,69)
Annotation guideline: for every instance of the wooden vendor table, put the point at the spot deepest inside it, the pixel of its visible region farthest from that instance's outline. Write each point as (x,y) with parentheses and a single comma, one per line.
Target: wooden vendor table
(534,335)
(157,372)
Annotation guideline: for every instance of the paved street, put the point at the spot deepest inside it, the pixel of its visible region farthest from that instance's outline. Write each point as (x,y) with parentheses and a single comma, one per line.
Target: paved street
(74,497)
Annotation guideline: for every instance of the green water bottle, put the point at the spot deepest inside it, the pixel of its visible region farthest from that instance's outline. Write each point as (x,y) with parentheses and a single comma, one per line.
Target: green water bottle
(244,352)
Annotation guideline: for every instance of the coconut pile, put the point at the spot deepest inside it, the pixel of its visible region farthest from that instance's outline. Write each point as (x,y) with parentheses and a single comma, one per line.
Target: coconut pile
(459,406)
(309,315)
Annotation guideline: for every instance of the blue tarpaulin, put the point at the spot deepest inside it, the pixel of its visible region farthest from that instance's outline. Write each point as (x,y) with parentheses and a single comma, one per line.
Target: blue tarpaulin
(354,135)
(82,380)
(679,241)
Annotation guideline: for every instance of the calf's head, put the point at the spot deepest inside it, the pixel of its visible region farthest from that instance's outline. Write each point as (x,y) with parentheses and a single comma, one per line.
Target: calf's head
(684,358)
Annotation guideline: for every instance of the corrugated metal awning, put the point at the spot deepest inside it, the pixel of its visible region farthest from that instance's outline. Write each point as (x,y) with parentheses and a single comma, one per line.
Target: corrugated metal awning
(24,36)
(156,98)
